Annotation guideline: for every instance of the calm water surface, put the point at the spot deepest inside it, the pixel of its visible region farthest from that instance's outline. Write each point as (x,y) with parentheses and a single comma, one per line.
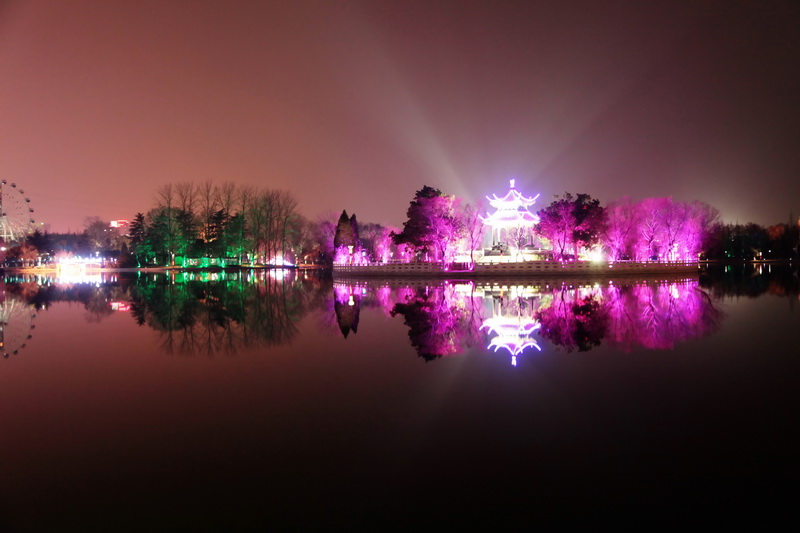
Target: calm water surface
(207,401)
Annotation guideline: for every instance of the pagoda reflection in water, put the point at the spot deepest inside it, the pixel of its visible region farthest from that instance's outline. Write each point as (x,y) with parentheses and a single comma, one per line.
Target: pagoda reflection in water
(513,321)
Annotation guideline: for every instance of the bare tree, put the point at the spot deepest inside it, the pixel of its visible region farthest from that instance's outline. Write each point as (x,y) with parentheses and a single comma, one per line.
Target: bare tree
(473,227)
(649,229)
(166,199)
(228,196)
(187,195)
(621,229)
(242,197)
(286,211)
(208,198)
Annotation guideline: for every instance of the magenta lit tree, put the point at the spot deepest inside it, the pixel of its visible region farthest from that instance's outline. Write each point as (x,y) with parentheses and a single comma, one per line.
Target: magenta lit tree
(663,229)
(473,228)
(383,244)
(704,218)
(555,225)
(622,225)
(648,245)
(574,222)
(433,230)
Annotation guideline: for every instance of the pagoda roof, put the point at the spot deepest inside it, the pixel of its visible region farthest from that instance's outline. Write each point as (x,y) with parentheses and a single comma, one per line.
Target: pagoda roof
(511,210)
(511,218)
(512,200)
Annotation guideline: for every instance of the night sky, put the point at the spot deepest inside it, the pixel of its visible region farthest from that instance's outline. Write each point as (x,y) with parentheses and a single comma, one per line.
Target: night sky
(357,104)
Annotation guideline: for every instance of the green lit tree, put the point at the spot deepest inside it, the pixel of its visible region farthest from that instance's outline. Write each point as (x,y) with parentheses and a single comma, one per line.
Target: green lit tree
(136,232)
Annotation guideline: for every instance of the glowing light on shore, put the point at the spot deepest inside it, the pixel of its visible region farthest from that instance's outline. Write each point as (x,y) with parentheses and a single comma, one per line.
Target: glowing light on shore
(595,255)
(280,261)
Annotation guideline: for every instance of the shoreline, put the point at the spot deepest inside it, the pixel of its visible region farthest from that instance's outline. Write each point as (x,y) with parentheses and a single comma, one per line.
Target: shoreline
(436,270)
(158,269)
(526,268)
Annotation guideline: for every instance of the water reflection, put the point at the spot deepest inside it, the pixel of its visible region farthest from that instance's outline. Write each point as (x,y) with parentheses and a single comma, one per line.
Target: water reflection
(442,320)
(751,280)
(206,315)
(513,321)
(219,313)
(654,315)
(194,313)
(16,323)
(445,318)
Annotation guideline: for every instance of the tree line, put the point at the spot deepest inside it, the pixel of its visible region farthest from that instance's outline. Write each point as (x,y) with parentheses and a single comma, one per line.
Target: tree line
(196,224)
(233,223)
(439,226)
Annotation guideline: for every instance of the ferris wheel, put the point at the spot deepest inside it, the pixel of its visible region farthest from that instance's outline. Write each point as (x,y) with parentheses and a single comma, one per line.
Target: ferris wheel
(16,213)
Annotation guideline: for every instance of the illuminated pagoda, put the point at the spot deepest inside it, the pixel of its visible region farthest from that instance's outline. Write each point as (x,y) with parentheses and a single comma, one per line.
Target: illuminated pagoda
(511,215)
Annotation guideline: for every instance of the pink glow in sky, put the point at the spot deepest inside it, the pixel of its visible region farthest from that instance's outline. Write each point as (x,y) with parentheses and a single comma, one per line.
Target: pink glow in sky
(357,104)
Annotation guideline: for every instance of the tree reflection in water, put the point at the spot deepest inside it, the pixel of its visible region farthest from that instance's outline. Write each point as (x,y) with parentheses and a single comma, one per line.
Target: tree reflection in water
(347,306)
(196,313)
(209,313)
(441,316)
(444,318)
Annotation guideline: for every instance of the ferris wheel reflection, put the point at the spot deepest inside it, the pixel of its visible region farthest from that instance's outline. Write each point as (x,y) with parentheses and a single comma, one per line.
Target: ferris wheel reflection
(16,323)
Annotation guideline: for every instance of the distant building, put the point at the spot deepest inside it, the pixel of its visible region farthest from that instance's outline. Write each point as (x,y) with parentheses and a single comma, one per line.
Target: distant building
(122,225)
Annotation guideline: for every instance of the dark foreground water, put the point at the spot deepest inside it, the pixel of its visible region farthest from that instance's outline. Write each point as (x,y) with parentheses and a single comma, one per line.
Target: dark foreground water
(295,402)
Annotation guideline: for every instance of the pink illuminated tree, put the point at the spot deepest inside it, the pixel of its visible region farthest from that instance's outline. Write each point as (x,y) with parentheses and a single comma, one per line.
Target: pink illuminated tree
(669,230)
(648,245)
(703,220)
(473,227)
(675,219)
(432,228)
(623,220)
(556,224)
(383,244)
(576,221)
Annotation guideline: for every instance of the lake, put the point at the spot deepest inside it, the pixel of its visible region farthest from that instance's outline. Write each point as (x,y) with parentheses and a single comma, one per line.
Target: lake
(195,401)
